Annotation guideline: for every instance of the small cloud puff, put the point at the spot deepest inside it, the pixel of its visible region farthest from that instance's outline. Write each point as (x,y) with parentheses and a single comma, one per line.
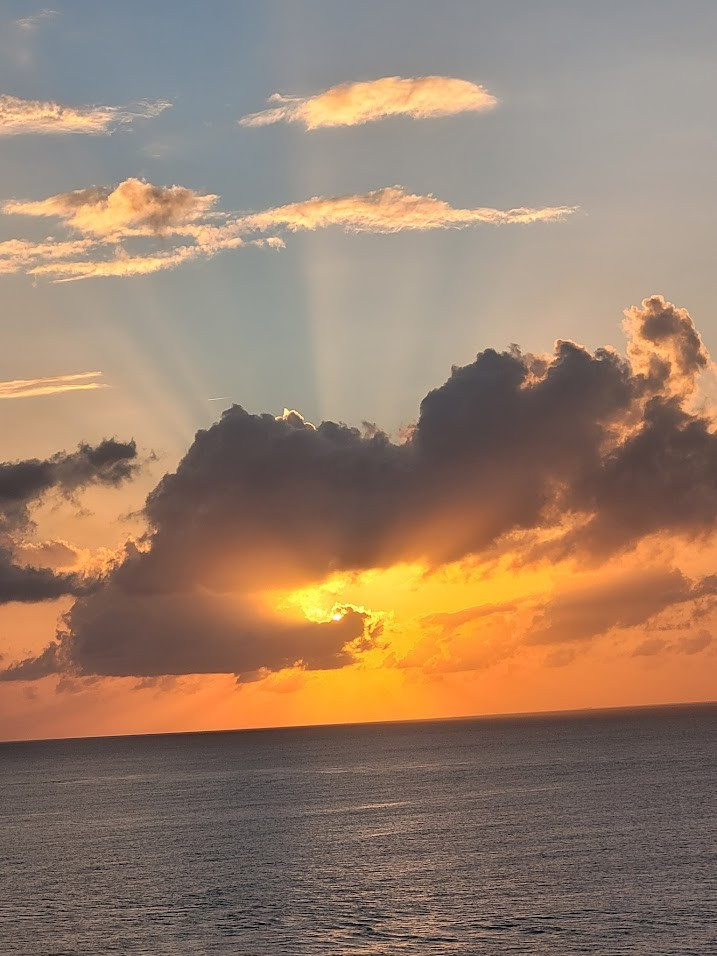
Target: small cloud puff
(352,104)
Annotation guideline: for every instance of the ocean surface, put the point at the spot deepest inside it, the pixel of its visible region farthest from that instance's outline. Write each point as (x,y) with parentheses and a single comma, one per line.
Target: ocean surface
(592,833)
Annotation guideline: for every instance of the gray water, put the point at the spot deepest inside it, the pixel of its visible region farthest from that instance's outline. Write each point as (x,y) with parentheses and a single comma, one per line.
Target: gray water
(591,833)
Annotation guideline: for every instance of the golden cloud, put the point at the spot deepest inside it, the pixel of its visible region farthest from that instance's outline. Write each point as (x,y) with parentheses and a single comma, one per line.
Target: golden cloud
(352,104)
(109,219)
(19,116)
(50,385)
(392,209)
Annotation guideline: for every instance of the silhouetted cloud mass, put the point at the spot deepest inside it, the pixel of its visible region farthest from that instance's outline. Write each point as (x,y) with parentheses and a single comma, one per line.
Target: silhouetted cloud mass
(574,455)
(25,483)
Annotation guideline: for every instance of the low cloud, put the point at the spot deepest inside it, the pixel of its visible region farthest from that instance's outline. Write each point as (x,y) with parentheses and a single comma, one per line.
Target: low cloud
(623,602)
(352,104)
(18,116)
(587,449)
(110,227)
(51,385)
(121,635)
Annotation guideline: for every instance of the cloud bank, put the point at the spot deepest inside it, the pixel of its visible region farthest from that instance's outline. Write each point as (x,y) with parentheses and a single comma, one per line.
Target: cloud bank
(586,455)
(109,228)
(18,116)
(353,104)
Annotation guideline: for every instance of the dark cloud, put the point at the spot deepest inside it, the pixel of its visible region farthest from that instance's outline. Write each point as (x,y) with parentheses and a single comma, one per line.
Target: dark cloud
(650,647)
(23,484)
(118,635)
(662,478)
(694,643)
(622,602)
(597,450)
(29,584)
(260,502)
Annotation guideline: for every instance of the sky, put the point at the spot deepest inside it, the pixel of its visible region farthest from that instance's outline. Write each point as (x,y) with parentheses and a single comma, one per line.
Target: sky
(356,361)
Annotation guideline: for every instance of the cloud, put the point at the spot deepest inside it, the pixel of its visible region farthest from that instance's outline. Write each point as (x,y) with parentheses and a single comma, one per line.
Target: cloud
(650,647)
(35,19)
(665,346)
(23,484)
(132,207)
(125,636)
(106,224)
(694,643)
(578,447)
(352,104)
(690,644)
(622,602)
(21,255)
(48,554)
(391,210)
(18,116)
(50,385)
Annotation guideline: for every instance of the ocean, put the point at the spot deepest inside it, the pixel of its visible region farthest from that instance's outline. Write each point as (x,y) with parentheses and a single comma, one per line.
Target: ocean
(589,833)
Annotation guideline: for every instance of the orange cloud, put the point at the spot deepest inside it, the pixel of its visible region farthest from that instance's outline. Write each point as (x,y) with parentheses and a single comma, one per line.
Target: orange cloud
(108,219)
(352,104)
(391,210)
(132,207)
(50,385)
(19,116)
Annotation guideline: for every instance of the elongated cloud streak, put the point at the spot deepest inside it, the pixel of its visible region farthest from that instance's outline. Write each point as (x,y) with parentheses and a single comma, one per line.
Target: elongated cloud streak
(352,104)
(104,222)
(392,209)
(19,116)
(50,385)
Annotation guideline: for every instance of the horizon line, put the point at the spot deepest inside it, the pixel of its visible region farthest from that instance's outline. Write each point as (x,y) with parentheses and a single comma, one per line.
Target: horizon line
(498,715)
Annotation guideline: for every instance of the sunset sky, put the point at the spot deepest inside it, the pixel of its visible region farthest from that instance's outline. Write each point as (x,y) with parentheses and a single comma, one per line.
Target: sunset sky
(356,361)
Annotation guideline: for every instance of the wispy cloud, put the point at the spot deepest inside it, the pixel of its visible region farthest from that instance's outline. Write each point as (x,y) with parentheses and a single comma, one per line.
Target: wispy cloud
(352,104)
(392,209)
(18,116)
(110,227)
(51,385)
(35,19)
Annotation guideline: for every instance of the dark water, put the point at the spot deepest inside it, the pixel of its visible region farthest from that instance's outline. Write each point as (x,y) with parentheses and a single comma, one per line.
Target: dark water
(554,835)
